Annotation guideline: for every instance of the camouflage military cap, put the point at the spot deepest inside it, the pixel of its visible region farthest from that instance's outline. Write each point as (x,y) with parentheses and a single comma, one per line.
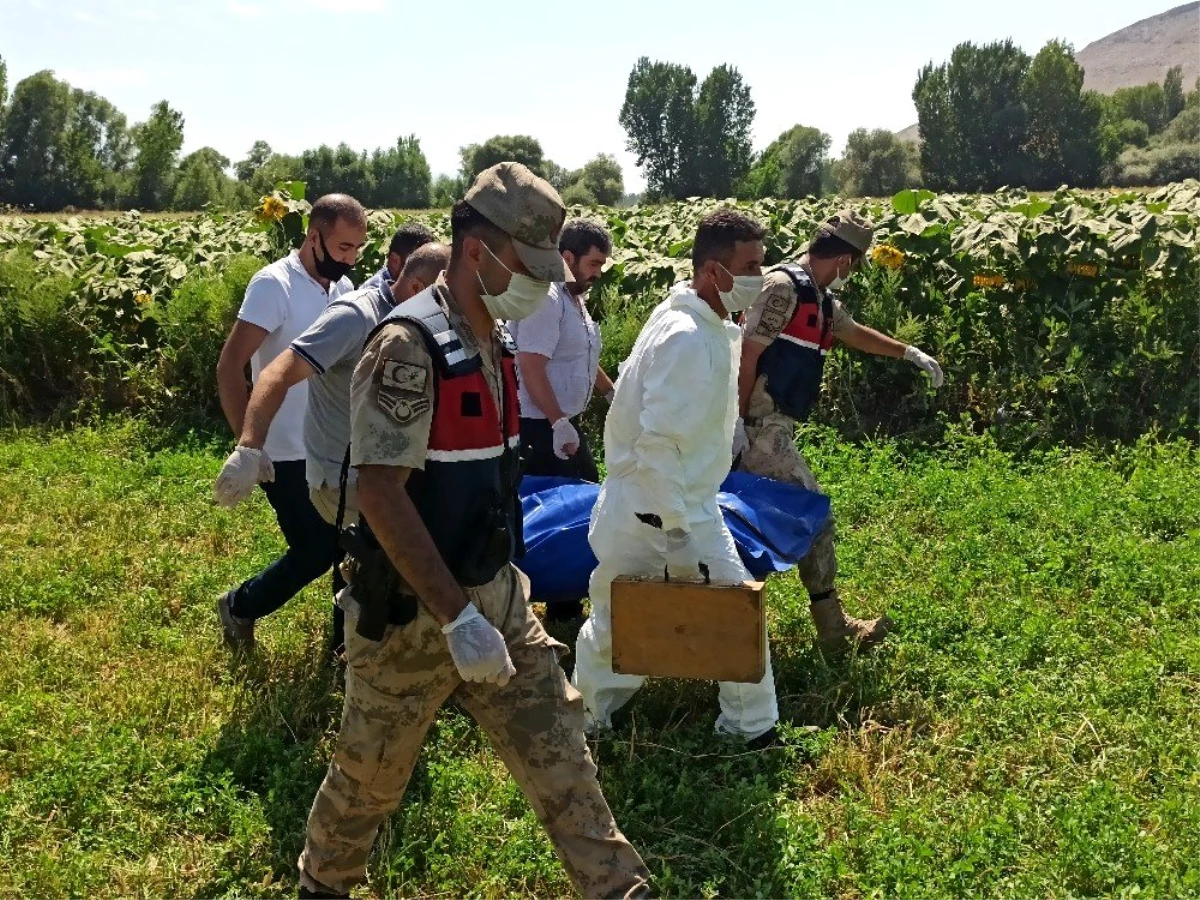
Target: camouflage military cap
(851,228)
(527,209)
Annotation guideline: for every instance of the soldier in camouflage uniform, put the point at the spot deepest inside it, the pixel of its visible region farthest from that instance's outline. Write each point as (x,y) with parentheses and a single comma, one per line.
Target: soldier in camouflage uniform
(786,336)
(434,438)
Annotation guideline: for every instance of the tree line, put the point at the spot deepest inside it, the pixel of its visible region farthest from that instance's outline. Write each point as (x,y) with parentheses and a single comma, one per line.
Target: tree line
(989,116)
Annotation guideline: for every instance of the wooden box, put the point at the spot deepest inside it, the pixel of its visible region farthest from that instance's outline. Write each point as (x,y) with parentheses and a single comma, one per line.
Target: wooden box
(680,629)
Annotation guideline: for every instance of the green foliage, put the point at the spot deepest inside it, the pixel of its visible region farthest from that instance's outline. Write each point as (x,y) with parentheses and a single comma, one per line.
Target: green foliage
(502,148)
(158,141)
(602,179)
(876,164)
(1146,103)
(447,190)
(1059,317)
(791,167)
(971,117)
(1063,140)
(1029,730)
(688,141)
(1173,96)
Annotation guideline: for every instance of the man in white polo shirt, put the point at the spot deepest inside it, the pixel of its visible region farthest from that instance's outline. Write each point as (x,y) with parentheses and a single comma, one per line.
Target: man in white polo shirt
(281,302)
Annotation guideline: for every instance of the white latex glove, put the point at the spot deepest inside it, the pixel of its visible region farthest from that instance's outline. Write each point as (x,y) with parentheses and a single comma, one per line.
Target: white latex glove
(566,438)
(741,443)
(244,468)
(923,360)
(478,649)
(683,558)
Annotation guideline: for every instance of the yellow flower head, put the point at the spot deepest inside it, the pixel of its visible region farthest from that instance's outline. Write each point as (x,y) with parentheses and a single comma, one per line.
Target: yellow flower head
(141,298)
(273,209)
(1083,270)
(984,281)
(887,256)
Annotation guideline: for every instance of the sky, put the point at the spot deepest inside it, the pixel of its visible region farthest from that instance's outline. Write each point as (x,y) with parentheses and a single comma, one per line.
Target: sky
(298,73)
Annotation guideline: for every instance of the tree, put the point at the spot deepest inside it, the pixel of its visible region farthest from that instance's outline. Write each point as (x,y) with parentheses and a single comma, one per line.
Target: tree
(202,180)
(401,176)
(1146,103)
(559,177)
(31,145)
(447,190)
(1173,92)
(578,194)
(255,159)
(971,118)
(792,166)
(340,169)
(1063,140)
(501,148)
(724,117)
(875,164)
(602,178)
(659,118)
(158,141)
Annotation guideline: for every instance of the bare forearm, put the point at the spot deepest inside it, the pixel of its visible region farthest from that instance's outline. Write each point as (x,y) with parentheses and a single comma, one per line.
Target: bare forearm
(748,373)
(235,396)
(397,526)
(538,385)
(266,398)
(604,384)
(868,340)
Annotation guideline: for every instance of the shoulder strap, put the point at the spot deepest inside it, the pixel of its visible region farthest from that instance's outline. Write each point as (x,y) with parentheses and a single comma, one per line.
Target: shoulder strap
(441,340)
(807,292)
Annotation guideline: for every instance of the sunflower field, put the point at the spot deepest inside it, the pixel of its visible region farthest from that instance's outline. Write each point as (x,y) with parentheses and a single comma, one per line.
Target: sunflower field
(1066,316)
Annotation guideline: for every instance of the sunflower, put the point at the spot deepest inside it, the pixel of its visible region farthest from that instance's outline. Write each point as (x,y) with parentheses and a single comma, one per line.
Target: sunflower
(887,256)
(1083,270)
(986,281)
(273,209)
(141,298)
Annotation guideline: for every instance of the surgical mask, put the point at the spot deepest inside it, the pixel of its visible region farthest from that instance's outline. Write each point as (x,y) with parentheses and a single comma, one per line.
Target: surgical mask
(328,267)
(839,280)
(520,299)
(746,289)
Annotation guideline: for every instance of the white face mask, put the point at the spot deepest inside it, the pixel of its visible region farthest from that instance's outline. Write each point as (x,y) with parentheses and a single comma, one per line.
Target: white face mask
(840,279)
(746,289)
(520,299)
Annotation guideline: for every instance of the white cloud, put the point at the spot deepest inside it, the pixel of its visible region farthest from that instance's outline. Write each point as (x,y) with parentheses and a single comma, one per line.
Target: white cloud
(349,6)
(85,16)
(245,10)
(144,14)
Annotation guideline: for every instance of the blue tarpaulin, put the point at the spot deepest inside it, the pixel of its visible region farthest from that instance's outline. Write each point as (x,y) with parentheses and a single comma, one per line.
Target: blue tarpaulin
(772,523)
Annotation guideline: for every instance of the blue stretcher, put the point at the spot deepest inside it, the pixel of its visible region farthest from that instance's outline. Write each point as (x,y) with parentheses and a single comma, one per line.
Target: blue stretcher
(773,525)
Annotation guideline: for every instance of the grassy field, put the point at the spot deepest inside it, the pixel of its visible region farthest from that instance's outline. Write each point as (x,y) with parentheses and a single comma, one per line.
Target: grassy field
(1030,731)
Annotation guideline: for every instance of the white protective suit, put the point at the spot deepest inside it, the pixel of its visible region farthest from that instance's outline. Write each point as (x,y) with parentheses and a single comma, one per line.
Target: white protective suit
(667,449)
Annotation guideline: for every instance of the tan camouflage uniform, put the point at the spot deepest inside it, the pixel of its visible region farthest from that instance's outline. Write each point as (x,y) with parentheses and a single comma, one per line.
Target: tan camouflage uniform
(773,452)
(395,687)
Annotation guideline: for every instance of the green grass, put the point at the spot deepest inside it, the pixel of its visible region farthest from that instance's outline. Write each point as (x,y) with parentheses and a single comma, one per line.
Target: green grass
(1031,730)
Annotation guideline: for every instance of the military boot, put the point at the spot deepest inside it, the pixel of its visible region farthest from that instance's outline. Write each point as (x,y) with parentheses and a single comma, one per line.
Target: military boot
(837,631)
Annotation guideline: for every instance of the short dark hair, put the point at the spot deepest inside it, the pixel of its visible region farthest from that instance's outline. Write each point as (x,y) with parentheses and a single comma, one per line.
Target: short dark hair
(409,237)
(331,208)
(830,246)
(466,220)
(579,236)
(718,233)
(426,262)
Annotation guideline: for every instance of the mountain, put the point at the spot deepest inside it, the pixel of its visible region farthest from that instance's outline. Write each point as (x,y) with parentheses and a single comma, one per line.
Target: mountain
(1143,51)
(1136,55)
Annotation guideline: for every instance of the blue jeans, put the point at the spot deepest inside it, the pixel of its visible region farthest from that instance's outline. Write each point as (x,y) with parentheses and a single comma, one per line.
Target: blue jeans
(312,549)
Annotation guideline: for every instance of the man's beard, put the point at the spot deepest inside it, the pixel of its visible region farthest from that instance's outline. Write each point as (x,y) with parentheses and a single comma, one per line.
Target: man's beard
(578,288)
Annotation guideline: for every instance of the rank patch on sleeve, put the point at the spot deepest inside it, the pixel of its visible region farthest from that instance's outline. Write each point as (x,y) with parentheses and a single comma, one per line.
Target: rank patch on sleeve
(403,375)
(402,409)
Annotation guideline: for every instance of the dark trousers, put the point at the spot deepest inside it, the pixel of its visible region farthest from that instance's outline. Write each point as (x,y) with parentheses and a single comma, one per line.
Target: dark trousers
(537,458)
(537,452)
(312,548)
